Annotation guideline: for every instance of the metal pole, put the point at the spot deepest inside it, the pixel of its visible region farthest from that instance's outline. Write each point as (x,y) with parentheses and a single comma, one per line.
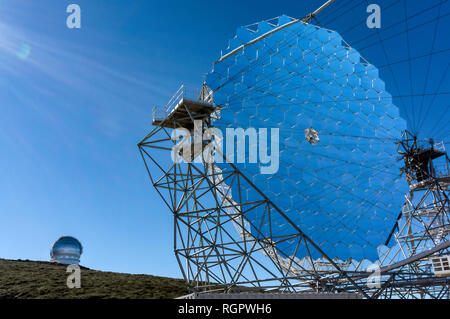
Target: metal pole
(312,15)
(305,19)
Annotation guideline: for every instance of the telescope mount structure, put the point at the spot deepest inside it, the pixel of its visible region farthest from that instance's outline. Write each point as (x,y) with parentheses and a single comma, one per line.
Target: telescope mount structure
(235,231)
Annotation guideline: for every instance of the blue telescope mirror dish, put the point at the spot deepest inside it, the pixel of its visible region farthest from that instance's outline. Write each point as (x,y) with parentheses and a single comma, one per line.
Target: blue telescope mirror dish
(338,176)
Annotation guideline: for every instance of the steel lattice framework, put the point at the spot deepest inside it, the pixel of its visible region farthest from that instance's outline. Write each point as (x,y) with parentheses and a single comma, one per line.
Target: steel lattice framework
(226,241)
(213,256)
(206,218)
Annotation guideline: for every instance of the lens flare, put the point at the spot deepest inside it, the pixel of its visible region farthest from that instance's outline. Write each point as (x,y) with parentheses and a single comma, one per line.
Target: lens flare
(24,51)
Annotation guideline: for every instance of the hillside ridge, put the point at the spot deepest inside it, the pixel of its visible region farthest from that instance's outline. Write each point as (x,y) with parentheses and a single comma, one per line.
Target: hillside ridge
(26,279)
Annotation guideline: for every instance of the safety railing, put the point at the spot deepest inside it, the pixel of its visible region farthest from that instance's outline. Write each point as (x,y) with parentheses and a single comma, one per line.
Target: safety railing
(184,92)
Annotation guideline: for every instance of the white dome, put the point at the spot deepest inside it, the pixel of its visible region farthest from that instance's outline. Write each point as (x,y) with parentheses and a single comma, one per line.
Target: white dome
(66,250)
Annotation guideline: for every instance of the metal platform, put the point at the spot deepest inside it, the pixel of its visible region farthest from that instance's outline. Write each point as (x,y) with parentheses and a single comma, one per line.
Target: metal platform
(252,296)
(184,114)
(183,108)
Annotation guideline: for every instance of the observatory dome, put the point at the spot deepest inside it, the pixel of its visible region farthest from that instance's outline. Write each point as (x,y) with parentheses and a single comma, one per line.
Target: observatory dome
(66,250)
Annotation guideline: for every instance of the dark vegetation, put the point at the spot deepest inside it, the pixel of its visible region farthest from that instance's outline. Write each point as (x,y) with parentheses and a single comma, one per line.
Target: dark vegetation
(36,279)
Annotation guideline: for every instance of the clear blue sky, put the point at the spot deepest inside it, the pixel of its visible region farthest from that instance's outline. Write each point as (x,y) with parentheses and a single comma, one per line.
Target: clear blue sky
(74,103)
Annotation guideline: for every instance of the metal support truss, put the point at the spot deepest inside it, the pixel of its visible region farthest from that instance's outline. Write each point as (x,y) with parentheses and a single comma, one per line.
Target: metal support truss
(220,248)
(421,231)
(217,246)
(423,224)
